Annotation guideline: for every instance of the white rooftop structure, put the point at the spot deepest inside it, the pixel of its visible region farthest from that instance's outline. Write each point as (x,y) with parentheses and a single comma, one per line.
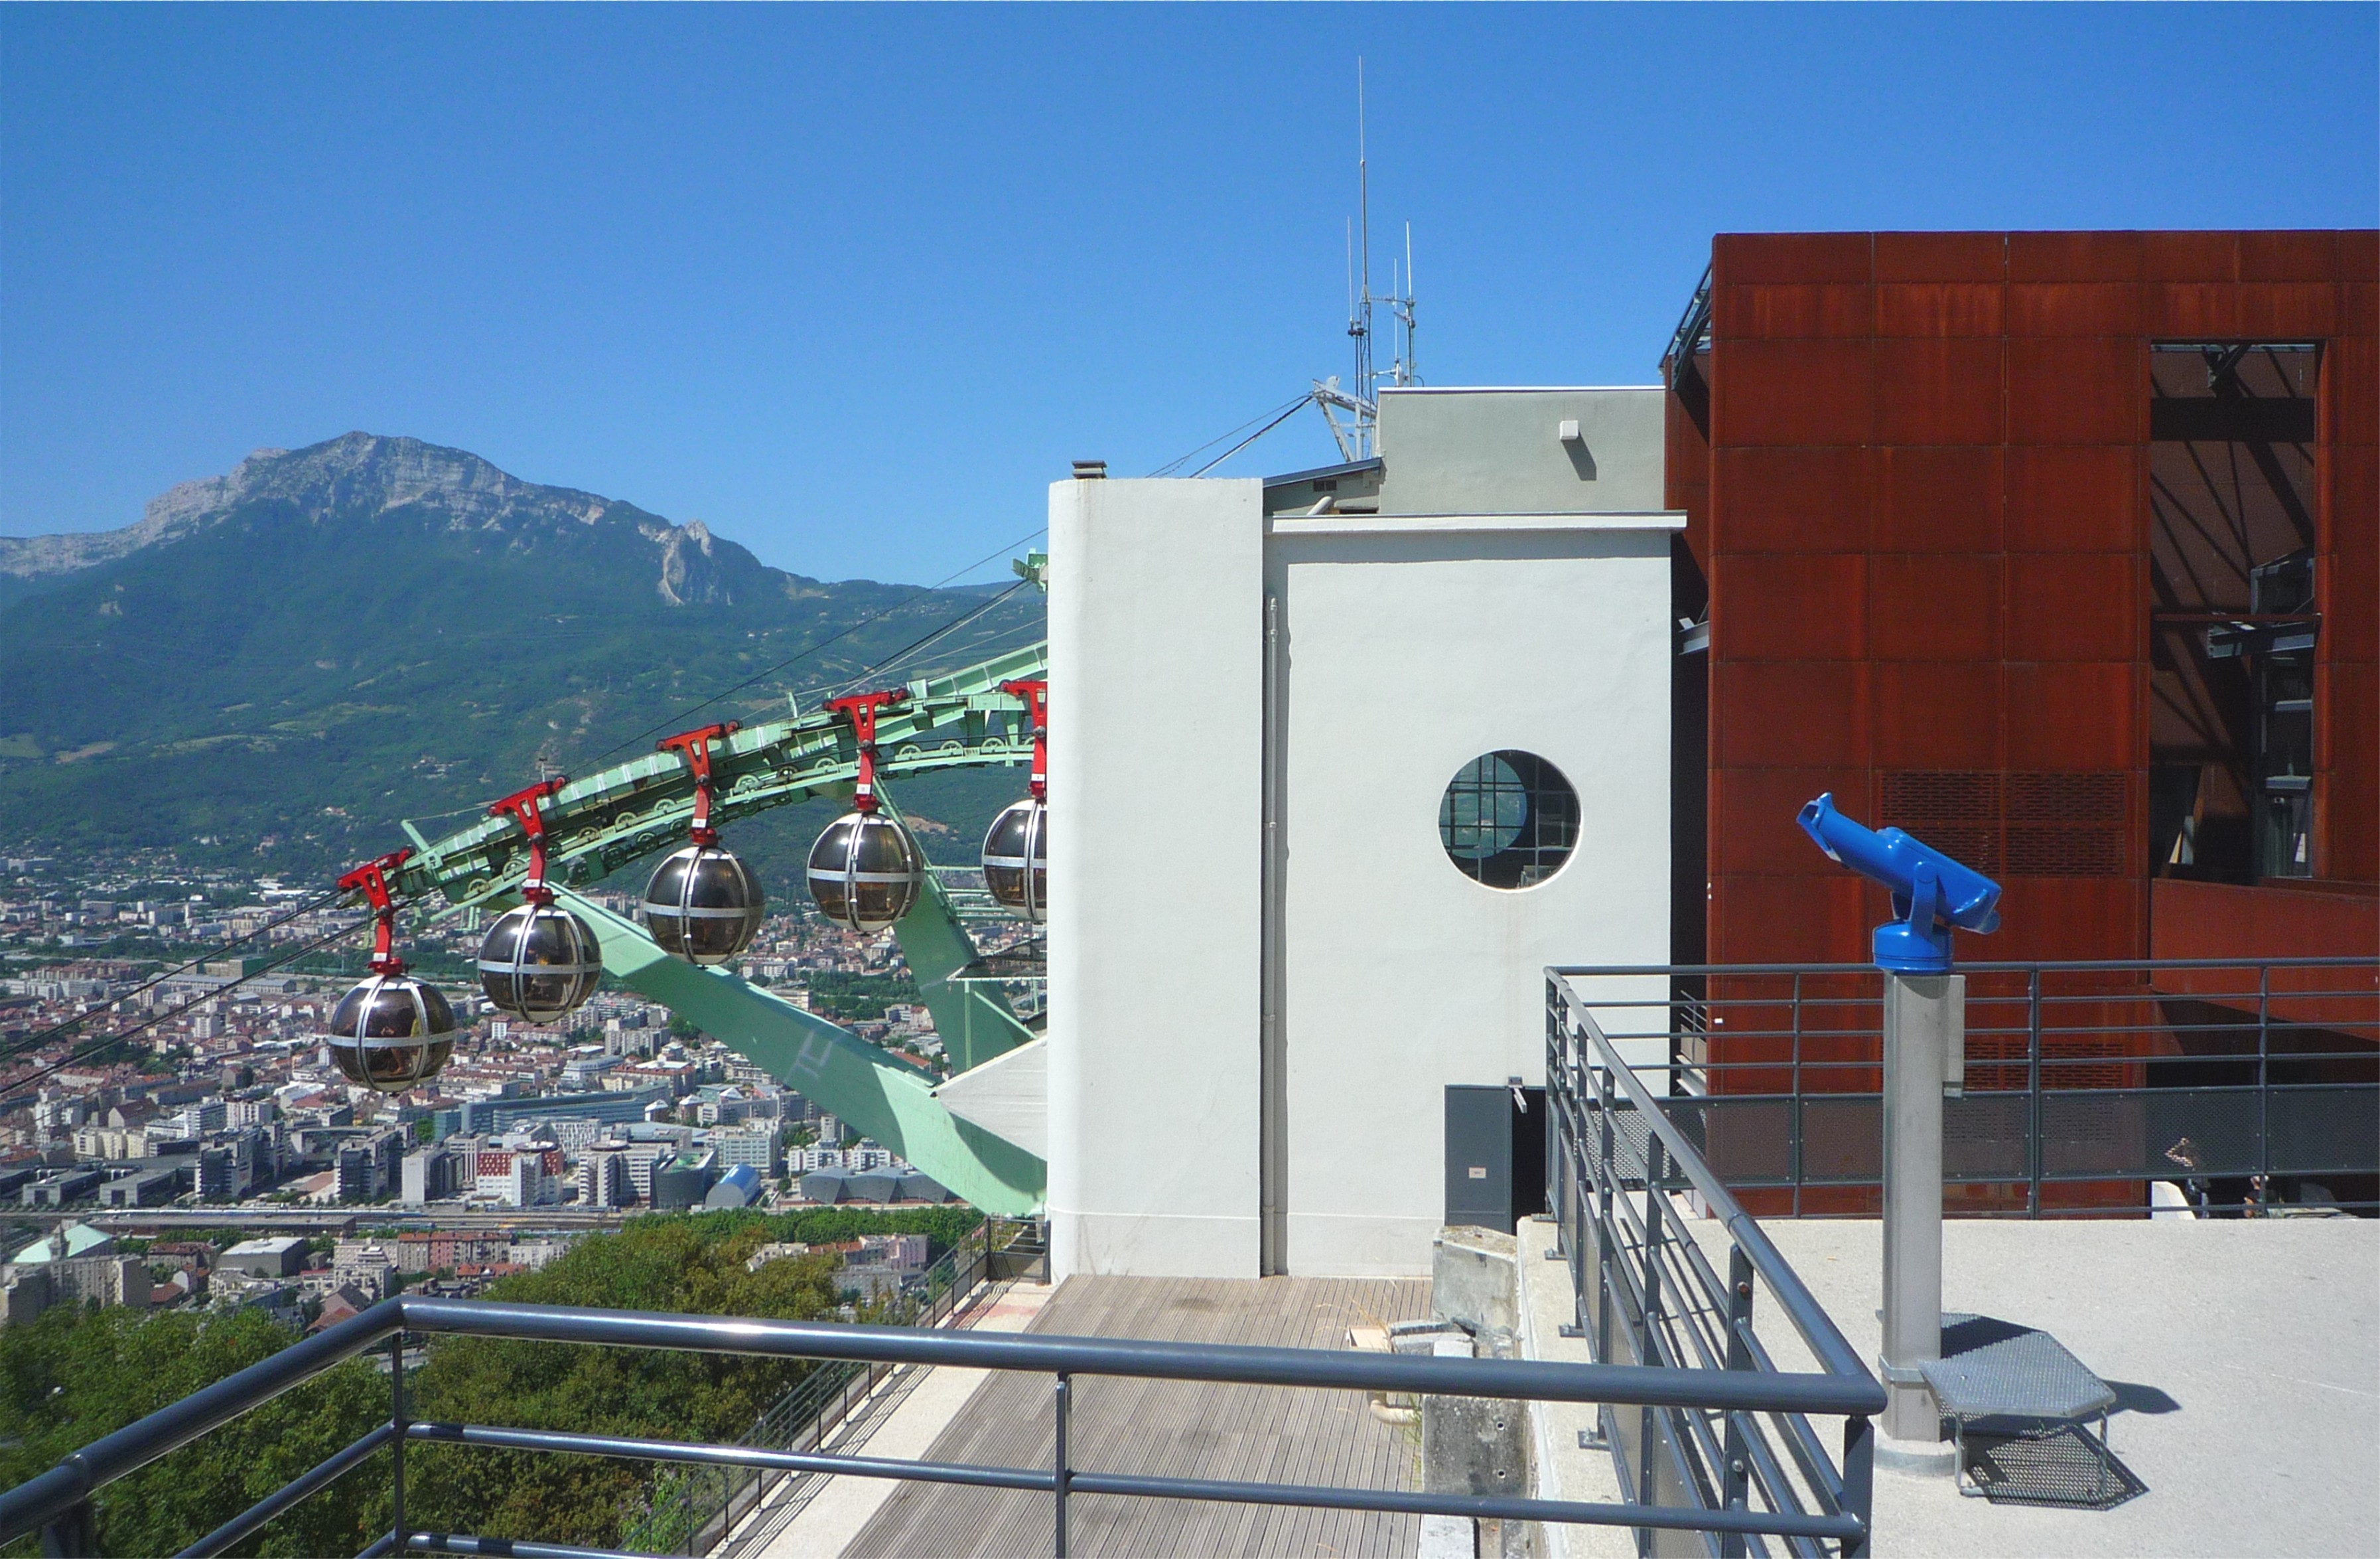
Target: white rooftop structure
(1402,728)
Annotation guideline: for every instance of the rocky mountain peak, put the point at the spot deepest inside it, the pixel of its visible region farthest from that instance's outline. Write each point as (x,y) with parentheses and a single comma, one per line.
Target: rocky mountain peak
(367,472)
(358,477)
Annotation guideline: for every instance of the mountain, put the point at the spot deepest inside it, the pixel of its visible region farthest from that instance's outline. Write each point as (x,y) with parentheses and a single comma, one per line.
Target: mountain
(272,666)
(359,480)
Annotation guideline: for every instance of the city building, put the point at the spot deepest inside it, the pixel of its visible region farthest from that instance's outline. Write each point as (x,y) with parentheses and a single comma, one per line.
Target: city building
(754,1144)
(584,1069)
(61,1187)
(366,1265)
(451,1249)
(66,1242)
(145,1187)
(432,1174)
(494,1116)
(738,1186)
(75,1280)
(604,1178)
(234,1162)
(682,1181)
(368,1166)
(519,1176)
(274,1256)
(906,1253)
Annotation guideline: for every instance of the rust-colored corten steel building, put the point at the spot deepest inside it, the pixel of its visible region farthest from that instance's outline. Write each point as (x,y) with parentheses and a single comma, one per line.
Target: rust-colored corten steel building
(2061,551)
(2057,549)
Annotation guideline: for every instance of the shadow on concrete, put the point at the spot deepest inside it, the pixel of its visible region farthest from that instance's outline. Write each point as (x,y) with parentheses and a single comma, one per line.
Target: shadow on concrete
(1964,1333)
(2133,1397)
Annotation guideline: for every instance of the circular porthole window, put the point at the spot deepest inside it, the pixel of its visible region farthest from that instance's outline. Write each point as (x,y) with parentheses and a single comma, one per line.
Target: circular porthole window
(1509,820)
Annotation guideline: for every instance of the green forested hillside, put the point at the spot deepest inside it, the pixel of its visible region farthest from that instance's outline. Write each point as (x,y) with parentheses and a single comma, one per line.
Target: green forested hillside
(373,628)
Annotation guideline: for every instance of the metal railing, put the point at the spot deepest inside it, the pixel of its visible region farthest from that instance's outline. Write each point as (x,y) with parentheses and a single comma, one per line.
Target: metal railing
(695,1512)
(1648,1297)
(1692,334)
(58,1502)
(2253,1085)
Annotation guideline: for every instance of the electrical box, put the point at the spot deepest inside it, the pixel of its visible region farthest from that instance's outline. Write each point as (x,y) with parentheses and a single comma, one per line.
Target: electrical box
(1494,1154)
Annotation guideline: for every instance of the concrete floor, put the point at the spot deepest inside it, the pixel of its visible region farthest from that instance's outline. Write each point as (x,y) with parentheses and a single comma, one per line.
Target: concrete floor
(2246,1353)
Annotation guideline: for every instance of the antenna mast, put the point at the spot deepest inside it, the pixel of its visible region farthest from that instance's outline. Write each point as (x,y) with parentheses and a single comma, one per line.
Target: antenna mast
(1353,412)
(1359,324)
(1406,369)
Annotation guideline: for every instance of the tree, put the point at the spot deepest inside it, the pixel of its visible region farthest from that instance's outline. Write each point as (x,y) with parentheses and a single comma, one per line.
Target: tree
(76,1374)
(653,1263)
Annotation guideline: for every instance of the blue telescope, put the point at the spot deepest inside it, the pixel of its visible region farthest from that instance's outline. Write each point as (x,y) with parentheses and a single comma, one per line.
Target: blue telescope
(1931,892)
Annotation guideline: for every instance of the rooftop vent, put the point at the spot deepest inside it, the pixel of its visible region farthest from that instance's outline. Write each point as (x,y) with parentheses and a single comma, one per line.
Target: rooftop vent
(1090,471)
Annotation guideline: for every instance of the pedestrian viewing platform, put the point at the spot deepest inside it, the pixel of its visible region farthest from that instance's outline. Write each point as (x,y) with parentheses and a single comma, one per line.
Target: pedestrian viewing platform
(2244,1354)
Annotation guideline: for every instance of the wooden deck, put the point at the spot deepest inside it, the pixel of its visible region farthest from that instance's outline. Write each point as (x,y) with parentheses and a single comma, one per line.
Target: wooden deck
(1175,1429)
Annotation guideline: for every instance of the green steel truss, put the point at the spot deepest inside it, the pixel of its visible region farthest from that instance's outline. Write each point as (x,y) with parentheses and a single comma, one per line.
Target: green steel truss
(597,825)
(873,1090)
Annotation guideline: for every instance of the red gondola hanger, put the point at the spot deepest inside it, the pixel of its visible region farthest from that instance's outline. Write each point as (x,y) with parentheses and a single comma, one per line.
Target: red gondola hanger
(1017,846)
(702,903)
(696,747)
(390,1032)
(1036,694)
(371,879)
(539,961)
(862,708)
(865,870)
(521,806)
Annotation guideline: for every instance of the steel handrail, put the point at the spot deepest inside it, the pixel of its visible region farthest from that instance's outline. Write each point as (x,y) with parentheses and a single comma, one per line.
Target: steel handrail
(1826,1343)
(79,1475)
(1044,1480)
(1238,1364)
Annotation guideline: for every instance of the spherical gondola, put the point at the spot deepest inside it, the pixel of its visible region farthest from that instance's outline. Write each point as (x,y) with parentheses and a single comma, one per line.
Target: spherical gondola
(703,905)
(540,962)
(1016,858)
(865,871)
(392,1032)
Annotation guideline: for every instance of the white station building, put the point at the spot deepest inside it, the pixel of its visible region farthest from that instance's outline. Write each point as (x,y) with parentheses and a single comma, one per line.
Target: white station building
(1398,732)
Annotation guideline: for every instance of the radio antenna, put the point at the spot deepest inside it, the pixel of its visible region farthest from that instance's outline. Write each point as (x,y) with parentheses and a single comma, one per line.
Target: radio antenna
(1353,412)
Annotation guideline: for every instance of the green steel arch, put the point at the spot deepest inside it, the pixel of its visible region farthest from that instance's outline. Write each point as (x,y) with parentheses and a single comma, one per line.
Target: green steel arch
(603,821)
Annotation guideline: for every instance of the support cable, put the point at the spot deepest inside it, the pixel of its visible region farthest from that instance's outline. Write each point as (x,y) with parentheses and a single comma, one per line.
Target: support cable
(103,1041)
(45,1036)
(677,721)
(1293,409)
(1268,417)
(914,646)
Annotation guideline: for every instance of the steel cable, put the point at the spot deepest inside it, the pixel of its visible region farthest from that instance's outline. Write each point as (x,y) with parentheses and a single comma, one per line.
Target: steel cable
(14,1085)
(45,1036)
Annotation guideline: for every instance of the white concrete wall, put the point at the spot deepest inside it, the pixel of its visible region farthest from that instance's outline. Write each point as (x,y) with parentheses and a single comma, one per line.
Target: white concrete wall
(1156,697)
(1480,452)
(1411,647)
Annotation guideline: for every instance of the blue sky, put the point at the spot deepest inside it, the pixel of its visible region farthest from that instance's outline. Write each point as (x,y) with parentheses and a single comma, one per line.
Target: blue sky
(853,284)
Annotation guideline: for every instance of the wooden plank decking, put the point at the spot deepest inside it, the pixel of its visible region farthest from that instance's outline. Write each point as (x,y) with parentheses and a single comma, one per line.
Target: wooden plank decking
(1175,1429)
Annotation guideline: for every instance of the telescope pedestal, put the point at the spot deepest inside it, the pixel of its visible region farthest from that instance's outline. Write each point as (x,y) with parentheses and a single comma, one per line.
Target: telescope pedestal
(1923,1027)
